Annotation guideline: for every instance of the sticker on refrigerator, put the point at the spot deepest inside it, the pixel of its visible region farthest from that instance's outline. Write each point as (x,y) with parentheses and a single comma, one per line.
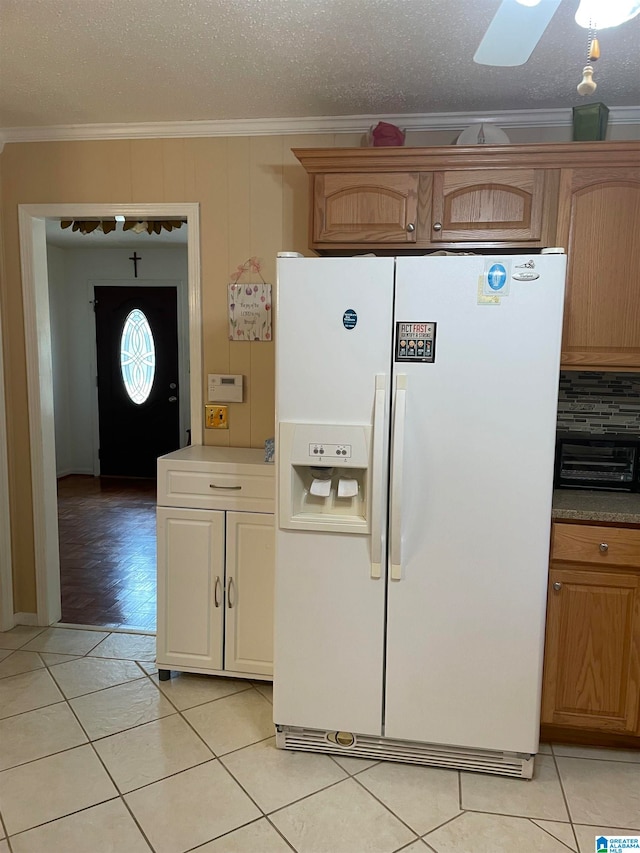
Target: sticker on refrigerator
(526,271)
(497,274)
(486,300)
(349,319)
(416,342)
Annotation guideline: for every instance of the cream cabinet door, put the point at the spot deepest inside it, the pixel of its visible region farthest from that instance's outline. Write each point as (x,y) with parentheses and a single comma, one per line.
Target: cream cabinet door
(190,588)
(249,585)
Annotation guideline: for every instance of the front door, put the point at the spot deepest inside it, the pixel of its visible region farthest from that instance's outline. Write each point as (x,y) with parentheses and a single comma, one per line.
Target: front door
(137,359)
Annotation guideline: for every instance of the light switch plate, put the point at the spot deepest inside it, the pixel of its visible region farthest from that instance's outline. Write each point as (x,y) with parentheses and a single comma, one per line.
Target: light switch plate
(215,417)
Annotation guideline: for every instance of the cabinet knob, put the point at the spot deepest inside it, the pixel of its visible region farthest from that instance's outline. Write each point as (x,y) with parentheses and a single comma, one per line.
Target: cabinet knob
(437,226)
(604,547)
(411,227)
(557,586)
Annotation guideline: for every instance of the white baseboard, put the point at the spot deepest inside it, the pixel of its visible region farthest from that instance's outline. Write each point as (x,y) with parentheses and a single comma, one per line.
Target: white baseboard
(80,471)
(30,619)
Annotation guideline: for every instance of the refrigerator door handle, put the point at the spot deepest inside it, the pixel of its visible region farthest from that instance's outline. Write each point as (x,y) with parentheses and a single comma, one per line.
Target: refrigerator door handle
(376,476)
(396,476)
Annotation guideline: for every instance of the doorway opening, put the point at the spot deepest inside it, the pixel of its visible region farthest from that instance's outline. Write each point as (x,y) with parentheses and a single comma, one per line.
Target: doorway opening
(95,529)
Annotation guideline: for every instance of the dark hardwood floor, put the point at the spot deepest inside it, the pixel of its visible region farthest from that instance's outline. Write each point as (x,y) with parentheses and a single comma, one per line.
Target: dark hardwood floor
(107,551)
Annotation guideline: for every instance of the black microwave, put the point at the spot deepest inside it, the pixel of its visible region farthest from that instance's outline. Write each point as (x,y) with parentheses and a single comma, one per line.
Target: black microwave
(597,462)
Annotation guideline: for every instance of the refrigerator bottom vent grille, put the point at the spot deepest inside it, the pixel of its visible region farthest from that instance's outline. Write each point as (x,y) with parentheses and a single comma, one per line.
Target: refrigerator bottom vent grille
(410,752)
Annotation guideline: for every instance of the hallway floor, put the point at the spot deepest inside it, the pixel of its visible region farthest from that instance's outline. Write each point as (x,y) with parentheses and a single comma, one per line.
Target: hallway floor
(107,551)
(98,756)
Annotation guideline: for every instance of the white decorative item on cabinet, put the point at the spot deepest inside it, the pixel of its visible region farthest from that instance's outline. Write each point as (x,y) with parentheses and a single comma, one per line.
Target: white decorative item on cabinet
(215,562)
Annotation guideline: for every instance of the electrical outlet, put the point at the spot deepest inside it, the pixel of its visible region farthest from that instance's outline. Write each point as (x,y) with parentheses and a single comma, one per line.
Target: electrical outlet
(215,417)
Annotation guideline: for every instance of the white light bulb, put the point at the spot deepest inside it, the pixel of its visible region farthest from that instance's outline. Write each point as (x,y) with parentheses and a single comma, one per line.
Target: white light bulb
(601,14)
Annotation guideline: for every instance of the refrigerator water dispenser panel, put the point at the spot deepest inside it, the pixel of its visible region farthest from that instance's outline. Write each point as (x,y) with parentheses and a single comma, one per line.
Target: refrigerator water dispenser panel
(323,477)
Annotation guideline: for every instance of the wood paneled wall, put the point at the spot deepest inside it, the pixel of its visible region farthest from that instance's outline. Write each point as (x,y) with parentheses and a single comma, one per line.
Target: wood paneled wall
(253,201)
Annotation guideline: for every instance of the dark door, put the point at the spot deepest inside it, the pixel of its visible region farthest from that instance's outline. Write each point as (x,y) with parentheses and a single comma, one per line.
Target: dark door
(137,346)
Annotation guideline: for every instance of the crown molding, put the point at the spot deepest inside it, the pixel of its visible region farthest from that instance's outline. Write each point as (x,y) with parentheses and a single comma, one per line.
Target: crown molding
(311,124)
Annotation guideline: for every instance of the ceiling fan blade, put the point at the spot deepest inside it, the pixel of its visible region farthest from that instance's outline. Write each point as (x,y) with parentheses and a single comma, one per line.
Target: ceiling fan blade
(514,32)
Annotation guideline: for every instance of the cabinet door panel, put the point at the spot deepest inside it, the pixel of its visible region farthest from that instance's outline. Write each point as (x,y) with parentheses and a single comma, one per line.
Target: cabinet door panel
(503,205)
(249,582)
(592,666)
(366,208)
(190,608)
(599,224)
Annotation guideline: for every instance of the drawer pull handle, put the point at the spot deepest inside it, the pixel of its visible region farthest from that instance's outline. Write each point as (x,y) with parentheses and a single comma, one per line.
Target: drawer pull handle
(604,547)
(557,586)
(230,598)
(227,488)
(216,592)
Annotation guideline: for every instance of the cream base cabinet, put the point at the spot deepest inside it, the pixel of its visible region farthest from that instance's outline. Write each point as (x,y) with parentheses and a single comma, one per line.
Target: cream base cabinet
(250,559)
(216,539)
(190,588)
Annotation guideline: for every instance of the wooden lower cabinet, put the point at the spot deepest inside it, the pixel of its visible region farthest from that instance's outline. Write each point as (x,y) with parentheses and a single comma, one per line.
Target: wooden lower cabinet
(592,653)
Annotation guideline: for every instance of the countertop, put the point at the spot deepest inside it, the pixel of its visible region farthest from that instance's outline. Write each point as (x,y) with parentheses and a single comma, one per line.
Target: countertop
(586,505)
(225,455)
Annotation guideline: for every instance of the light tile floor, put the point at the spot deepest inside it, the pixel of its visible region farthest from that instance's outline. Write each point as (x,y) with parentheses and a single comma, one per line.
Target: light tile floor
(98,756)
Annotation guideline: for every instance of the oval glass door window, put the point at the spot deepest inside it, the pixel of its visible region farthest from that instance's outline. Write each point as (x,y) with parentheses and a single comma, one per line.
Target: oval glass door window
(137,356)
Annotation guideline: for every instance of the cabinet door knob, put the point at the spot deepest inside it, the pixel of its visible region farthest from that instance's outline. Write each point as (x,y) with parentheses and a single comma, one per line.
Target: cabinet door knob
(216,592)
(411,227)
(557,586)
(437,226)
(604,547)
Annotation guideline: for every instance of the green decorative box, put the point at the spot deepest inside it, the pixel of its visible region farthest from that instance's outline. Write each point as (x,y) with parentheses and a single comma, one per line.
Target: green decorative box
(590,122)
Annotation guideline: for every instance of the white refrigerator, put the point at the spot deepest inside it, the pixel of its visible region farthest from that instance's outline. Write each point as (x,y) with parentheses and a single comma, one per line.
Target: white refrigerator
(416,413)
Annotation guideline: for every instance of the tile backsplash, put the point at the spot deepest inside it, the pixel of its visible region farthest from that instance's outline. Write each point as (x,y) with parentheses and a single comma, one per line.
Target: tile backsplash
(599,402)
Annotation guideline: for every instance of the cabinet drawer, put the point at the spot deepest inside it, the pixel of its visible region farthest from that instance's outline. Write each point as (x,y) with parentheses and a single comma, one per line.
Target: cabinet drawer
(224,490)
(602,546)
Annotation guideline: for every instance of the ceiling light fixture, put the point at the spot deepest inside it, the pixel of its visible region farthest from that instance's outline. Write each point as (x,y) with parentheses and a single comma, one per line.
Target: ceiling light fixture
(528,2)
(602,14)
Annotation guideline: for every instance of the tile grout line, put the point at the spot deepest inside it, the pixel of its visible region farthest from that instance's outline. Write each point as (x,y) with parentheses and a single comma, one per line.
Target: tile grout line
(444,823)
(520,816)
(533,820)
(119,795)
(564,797)
(3,826)
(391,812)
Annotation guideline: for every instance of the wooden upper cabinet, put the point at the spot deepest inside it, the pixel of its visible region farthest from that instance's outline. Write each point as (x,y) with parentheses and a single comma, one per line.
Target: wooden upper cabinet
(592,651)
(503,205)
(599,223)
(365,208)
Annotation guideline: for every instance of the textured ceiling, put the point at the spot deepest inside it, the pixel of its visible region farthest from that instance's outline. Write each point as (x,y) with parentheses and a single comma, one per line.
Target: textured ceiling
(77,62)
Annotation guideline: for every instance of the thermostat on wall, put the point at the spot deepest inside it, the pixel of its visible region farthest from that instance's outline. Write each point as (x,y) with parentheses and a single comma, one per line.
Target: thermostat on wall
(224,388)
